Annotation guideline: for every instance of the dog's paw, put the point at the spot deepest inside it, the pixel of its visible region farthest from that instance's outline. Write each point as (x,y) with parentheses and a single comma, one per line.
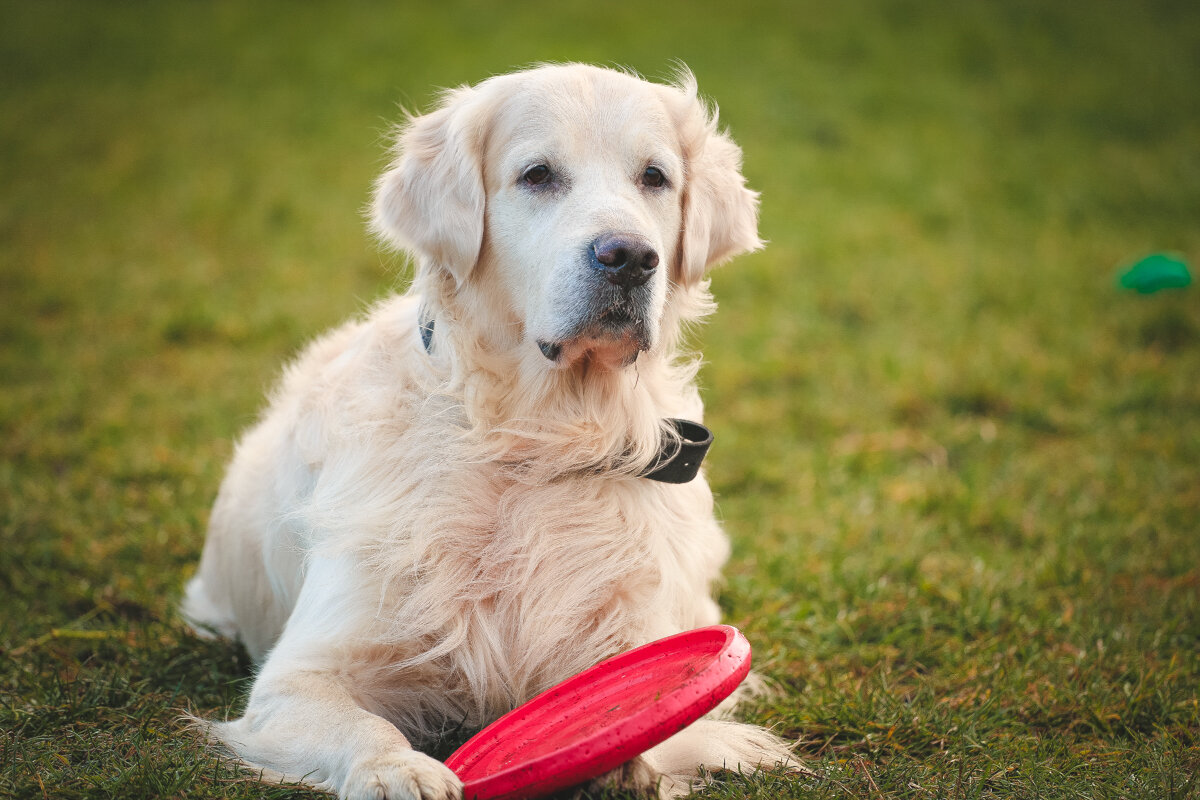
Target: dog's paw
(635,776)
(403,775)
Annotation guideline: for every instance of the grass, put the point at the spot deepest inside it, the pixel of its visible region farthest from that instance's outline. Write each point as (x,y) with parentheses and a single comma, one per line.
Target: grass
(959,466)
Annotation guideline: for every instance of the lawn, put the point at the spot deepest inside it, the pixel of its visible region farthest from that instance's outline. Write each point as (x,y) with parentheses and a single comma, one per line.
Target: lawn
(960,465)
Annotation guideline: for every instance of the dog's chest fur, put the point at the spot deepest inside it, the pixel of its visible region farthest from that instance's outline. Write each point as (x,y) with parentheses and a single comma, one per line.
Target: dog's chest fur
(490,587)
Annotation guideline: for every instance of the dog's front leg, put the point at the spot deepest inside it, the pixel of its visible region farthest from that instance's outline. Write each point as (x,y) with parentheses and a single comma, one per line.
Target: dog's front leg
(308,717)
(306,726)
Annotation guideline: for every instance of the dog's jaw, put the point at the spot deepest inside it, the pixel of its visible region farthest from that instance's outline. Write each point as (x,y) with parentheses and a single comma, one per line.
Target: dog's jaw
(606,352)
(614,340)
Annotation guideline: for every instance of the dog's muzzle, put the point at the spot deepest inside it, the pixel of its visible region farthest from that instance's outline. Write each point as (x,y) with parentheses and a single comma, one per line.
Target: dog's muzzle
(611,316)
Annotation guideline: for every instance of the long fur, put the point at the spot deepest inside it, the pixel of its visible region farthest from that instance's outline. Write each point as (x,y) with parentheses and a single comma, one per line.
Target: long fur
(409,540)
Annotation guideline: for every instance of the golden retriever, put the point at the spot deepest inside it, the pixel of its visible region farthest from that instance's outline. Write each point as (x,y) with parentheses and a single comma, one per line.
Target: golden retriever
(445,509)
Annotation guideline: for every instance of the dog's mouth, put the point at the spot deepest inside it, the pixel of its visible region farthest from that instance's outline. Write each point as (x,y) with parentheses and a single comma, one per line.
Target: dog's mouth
(615,337)
(617,318)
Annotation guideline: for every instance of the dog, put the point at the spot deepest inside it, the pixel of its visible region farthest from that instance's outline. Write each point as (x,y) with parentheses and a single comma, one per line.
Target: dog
(449,504)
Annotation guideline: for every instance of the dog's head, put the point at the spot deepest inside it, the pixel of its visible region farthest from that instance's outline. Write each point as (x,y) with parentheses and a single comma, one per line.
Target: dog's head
(580,196)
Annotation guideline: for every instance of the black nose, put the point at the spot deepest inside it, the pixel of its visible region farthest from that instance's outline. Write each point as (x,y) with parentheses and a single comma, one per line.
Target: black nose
(626,260)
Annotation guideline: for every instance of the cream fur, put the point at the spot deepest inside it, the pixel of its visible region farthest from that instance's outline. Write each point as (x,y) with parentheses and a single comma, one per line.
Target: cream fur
(407,540)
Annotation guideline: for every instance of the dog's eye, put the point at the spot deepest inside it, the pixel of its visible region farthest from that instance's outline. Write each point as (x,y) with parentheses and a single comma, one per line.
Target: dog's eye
(653,177)
(536,175)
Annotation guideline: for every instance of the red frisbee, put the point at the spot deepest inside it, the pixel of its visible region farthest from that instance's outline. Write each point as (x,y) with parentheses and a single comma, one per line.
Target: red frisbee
(604,716)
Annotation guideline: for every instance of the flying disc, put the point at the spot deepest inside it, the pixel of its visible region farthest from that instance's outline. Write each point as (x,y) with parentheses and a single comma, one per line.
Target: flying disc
(604,716)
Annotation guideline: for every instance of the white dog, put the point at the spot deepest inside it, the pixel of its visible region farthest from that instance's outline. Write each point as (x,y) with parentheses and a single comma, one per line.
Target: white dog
(445,509)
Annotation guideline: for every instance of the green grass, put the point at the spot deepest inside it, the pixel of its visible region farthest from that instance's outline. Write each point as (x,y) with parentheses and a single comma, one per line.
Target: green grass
(960,467)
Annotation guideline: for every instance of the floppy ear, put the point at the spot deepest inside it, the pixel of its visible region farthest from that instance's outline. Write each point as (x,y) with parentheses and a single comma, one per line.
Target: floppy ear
(720,215)
(431,199)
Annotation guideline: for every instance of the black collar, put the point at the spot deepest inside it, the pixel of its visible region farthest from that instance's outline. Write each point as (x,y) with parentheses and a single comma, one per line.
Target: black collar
(680,451)
(679,464)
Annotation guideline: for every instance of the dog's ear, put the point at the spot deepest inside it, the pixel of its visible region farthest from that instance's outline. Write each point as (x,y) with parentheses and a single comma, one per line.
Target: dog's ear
(431,199)
(720,215)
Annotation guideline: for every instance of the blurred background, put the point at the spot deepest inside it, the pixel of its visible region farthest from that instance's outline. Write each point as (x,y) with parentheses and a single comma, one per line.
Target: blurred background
(957,461)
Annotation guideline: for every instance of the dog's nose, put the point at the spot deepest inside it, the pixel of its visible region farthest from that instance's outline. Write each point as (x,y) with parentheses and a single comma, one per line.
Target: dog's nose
(627,261)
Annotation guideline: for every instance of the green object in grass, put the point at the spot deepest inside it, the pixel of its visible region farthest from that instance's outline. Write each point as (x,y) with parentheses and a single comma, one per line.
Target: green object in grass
(1154,272)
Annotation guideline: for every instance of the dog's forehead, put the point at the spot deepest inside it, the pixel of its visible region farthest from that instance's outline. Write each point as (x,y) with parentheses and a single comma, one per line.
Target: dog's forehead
(581,116)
